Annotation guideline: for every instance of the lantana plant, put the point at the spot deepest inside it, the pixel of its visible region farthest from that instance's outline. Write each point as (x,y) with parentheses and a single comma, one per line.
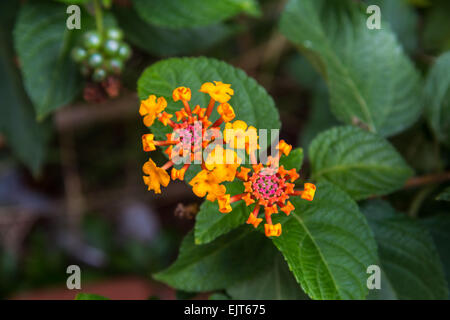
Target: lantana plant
(196,139)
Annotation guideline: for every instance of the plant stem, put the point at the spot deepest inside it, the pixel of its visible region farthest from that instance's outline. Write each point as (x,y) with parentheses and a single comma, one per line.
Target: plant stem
(427,179)
(419,199)
(98,16)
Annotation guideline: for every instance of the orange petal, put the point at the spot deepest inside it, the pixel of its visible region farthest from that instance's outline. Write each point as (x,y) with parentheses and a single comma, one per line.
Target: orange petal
(309,191)
(287,208)
(224,203)
(272,230)
(243,174)
(248,199)
(284,147)
(253,220)
(248,186)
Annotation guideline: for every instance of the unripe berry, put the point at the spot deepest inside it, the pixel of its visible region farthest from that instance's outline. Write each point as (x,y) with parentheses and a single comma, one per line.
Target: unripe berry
(111,47)
(99,75)
(78,54)
(95,60)
(114,65)
(114,34)
(92,40)
(124,51)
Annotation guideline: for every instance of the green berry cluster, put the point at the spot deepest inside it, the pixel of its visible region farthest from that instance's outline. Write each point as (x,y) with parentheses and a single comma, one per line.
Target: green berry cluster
(102,55)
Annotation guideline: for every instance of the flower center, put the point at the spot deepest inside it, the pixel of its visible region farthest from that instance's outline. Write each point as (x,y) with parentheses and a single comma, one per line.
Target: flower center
(267,187)
(189,134)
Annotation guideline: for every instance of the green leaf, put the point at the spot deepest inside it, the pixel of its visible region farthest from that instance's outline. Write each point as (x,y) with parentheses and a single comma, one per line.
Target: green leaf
(403,19)
(439,228)
(444,195)
(408,257)
(229,259)
(320,117)
(211,223)
(275,283)
(371,81)
(42,43)
(294,160)
(27,139)
(89,296)
(191,13)
(162,41)
(359,162)
(328,245)
(437,98)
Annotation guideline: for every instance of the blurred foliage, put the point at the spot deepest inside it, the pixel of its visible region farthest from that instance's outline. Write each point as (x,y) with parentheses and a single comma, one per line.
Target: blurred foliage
(44,263)
(322,67)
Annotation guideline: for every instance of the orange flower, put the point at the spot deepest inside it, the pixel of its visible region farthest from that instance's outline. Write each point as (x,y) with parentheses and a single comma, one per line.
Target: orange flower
(253,220)
(243,174)
(147,142)
(269,188)
(218,91)
(226,111)
(181,93)
(224,203)
(188,134)
(178,174)
(151,108)
(284,147)
(308,193)
(272,230)
(287,208)
(155,177)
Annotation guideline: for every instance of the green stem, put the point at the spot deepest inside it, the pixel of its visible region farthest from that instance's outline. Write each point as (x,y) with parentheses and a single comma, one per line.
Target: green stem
(420,197)
(98,16)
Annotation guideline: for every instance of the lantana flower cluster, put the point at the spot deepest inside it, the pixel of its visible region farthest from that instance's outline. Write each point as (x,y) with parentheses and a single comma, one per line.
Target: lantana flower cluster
(221,148)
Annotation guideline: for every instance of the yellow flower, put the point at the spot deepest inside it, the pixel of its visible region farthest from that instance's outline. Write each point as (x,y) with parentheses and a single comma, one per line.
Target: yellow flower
(239,135)
(226,111)
(151,107)
(155,176)
(223,163)
(147,142)
(218,91)
(206,183)
(181,93)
